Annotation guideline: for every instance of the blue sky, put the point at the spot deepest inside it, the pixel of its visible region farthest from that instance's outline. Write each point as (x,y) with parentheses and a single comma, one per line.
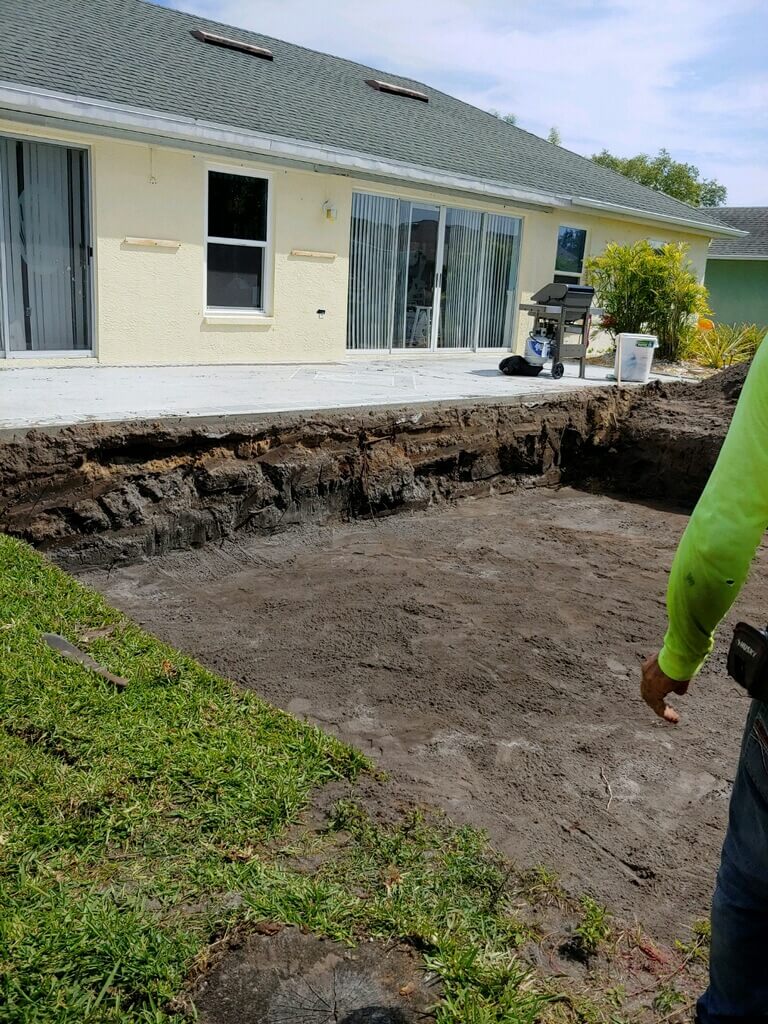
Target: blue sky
(628,75)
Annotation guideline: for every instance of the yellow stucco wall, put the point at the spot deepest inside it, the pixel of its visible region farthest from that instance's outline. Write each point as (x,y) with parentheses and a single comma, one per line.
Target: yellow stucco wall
(149,303)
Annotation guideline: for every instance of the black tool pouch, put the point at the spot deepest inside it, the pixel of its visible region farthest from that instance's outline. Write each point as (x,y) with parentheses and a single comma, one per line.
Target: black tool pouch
(748,660)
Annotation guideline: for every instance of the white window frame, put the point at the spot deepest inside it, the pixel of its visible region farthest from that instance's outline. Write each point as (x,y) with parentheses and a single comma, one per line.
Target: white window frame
(240,312)
(576,278)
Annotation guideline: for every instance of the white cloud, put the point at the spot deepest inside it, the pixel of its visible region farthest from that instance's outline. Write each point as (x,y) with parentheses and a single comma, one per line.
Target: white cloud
(628,75)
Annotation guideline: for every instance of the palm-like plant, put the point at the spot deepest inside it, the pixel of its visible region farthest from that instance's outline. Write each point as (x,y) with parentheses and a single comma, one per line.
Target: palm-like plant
(643,288)
(726,344)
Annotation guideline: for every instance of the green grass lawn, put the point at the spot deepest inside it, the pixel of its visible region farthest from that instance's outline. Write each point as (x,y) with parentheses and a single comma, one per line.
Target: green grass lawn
(137,827)
(113,802)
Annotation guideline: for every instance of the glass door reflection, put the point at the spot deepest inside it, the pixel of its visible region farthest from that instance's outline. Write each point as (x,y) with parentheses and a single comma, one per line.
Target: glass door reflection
(417,275)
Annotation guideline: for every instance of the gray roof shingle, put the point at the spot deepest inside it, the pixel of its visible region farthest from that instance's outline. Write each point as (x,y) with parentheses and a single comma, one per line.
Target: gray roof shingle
(753,219)
(139,54)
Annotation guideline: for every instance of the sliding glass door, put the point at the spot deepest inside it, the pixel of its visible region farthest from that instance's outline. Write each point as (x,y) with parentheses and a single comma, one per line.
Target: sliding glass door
(45,290)
(428,277)
(462,264)
(417,275)
(498,280)
(372,269)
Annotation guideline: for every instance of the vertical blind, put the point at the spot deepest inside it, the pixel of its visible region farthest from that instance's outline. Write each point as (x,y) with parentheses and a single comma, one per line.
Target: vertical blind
(479,276)
(497,281)
(372,269)
(461,268)
(44,259)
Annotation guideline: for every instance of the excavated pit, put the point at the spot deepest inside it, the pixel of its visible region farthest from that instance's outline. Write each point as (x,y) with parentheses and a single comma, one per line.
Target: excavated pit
(484,652)
(667,443)
(106,494)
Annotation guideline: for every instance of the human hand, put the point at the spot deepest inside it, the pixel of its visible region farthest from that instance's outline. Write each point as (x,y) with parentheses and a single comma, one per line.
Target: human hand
(655,685)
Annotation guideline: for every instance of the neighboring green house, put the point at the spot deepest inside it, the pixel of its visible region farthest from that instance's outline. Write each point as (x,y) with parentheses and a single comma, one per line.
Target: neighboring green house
(737,268)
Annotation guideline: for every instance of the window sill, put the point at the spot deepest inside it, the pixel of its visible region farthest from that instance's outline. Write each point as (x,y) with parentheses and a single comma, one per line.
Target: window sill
(238,319)
(53,353)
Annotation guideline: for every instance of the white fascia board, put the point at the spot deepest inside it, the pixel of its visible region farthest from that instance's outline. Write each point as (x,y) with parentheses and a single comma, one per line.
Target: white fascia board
(700,227)
(83,111)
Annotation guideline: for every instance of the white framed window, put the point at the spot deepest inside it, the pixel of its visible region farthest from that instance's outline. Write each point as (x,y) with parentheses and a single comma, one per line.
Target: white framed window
(238,241)
(569,259)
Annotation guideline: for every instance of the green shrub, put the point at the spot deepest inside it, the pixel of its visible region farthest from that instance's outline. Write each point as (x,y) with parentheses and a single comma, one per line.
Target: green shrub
(725,345)
(621,277)
(645,289)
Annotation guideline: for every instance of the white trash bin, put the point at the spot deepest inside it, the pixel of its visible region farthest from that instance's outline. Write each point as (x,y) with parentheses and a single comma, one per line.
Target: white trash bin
(636,351)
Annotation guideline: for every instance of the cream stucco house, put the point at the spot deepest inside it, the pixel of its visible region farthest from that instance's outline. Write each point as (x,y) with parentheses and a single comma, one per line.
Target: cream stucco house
(177,191)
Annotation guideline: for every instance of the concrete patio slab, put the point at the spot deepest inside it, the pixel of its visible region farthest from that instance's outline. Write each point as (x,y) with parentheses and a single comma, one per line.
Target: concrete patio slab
(42,397)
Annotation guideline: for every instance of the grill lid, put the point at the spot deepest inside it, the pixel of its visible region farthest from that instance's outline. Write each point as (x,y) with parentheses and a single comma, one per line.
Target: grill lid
(573,296)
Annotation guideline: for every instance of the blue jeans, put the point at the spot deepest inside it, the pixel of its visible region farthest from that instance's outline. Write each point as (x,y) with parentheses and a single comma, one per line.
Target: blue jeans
(738,967)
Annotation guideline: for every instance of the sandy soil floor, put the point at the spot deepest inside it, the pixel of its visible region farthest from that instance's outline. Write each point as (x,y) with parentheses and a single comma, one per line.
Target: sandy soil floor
(487,655)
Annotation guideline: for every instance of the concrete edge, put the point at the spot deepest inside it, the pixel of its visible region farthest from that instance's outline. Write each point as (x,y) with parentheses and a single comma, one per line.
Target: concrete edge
(234,420)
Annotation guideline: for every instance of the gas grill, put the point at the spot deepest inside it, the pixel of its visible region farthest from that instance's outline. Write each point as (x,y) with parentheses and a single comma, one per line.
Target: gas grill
(562,316)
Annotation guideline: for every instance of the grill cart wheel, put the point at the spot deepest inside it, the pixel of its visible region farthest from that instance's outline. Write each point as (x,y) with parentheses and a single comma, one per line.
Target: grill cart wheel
(557,371)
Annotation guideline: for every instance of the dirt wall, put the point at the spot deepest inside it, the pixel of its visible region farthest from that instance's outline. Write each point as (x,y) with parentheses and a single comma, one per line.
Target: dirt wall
(667,443)
(99,494)
(104,493)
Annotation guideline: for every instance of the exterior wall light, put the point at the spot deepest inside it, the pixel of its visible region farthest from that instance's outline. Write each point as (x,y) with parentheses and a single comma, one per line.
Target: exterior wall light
(329,210)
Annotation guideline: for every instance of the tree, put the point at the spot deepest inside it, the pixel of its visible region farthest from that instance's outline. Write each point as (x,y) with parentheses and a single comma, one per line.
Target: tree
(509,118)
(554,136)
(644,289)
(662,173)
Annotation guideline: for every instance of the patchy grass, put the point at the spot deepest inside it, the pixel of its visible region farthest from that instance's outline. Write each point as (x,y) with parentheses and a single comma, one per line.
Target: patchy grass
(446,890)
(139,829)
(541,885)
(593,930)
(698,947)
(667,999)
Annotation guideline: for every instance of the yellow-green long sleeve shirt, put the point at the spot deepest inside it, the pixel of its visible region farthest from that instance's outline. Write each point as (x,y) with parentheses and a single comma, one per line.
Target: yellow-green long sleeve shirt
(723,534)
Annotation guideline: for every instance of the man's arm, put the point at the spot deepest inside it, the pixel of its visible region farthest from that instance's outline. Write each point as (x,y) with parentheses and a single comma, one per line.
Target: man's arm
(717,548)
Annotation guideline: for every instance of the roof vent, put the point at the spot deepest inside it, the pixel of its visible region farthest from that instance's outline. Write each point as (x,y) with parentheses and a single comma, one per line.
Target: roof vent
(397,90)
(232,44)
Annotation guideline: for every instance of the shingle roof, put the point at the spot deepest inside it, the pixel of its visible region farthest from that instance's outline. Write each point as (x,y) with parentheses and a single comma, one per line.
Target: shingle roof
(135,53)
(753,219)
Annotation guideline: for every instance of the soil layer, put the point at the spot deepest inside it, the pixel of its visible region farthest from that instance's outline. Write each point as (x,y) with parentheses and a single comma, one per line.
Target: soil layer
(118,492)
(668,440)
(486,654)
(112,493)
